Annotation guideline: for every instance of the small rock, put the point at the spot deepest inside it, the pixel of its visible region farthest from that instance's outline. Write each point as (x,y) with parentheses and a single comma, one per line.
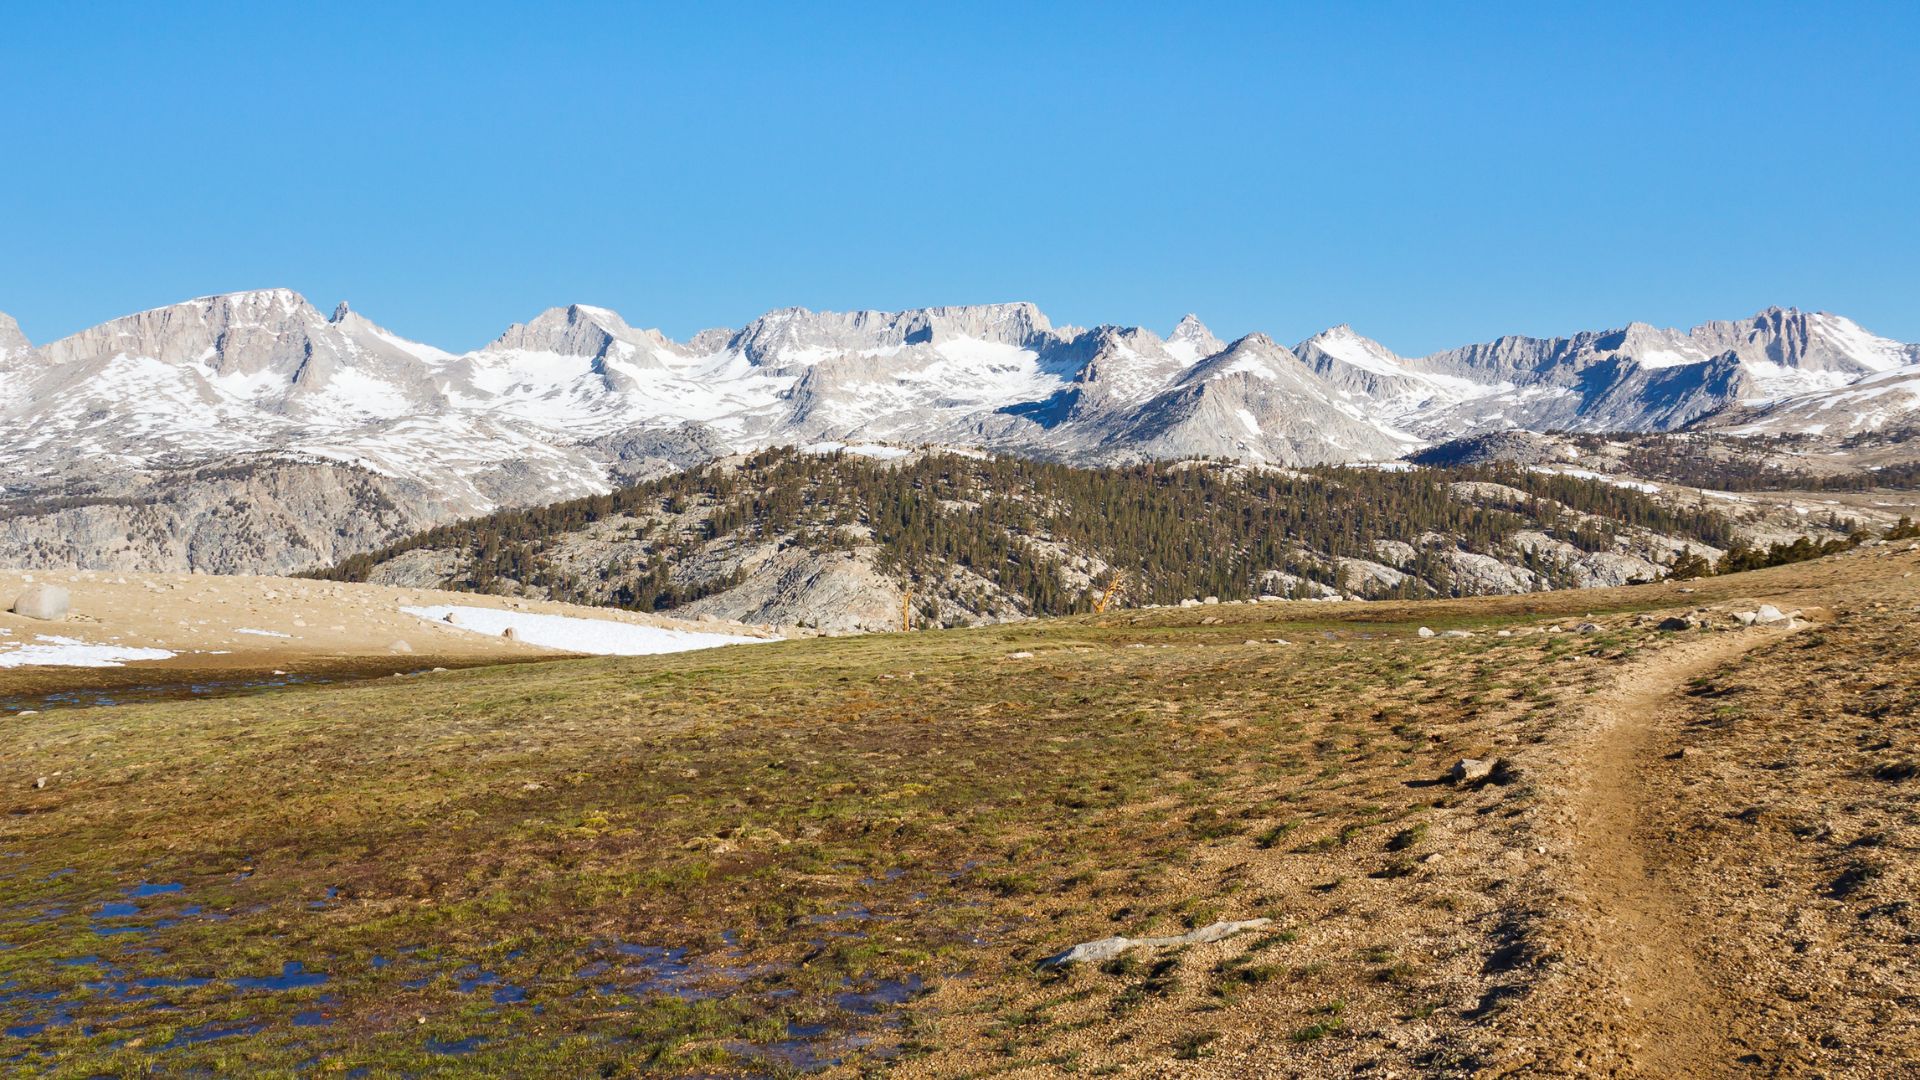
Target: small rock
(1503,633)
(1675,622)
(1458,633)
(1768,614)
(1210,600)
(1587,628)
(40,783)
(1471,770)
(49,603)
(1022,655)
(1426,631)
(1093,952)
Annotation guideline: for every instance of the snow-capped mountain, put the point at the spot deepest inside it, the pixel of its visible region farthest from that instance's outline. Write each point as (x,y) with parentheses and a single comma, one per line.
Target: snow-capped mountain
(575,399)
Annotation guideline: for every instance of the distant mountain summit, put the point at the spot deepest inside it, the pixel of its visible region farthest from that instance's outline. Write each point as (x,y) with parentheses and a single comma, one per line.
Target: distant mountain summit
(576,399)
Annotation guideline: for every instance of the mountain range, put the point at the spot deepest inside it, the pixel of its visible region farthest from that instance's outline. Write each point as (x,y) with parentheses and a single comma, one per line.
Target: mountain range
(260,396)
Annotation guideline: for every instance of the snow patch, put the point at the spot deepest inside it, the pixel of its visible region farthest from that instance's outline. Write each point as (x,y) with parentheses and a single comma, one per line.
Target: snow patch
(600,637)
(72,652)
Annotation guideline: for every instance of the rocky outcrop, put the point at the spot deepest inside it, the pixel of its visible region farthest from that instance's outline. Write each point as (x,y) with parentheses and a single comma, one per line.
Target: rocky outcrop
(270,517)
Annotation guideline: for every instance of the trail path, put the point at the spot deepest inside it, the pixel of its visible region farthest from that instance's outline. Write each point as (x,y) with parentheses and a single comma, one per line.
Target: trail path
(1650,935)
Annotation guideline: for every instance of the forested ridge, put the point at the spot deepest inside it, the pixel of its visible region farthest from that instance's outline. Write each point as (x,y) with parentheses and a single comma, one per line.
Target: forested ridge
(1175,530)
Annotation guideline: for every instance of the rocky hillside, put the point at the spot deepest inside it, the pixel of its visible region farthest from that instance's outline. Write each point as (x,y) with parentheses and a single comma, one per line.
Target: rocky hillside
(842,540)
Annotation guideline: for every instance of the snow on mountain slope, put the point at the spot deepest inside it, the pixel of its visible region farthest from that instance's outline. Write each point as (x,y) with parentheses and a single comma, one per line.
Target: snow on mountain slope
(1888,400)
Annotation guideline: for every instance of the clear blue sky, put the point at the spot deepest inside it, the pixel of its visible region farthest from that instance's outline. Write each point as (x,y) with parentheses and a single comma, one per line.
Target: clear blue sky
(1433,174)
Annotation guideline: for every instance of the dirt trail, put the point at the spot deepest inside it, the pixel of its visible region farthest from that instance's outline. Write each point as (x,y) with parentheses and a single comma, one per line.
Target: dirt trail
(1650,936)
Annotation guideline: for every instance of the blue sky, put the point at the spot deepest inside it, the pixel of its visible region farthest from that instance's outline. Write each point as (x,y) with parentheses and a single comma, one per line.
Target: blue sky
(1433,174)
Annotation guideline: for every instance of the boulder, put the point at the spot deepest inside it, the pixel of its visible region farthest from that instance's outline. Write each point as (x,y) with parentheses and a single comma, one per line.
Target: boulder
(1768,614)
(48,602)
(1675,622)
(1426,631)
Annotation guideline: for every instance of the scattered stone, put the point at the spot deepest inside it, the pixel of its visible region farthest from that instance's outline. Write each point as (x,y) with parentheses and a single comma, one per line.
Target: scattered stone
(1745,618)
(1022,655)
(399,646)
(1426,631)
(46,602)
(1189,602)
(1768,614)
(1587,628)
(1211,621)
(1210,600)
(1093,952)
(1675,622)
(1458,633)
(1503,633)
(1471,770)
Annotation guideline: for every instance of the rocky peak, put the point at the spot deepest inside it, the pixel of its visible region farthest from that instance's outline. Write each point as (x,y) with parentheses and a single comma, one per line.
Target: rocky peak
(798,336)
(12,339)
(244,331)
(1191,337)
(1346,346)
(574,330)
